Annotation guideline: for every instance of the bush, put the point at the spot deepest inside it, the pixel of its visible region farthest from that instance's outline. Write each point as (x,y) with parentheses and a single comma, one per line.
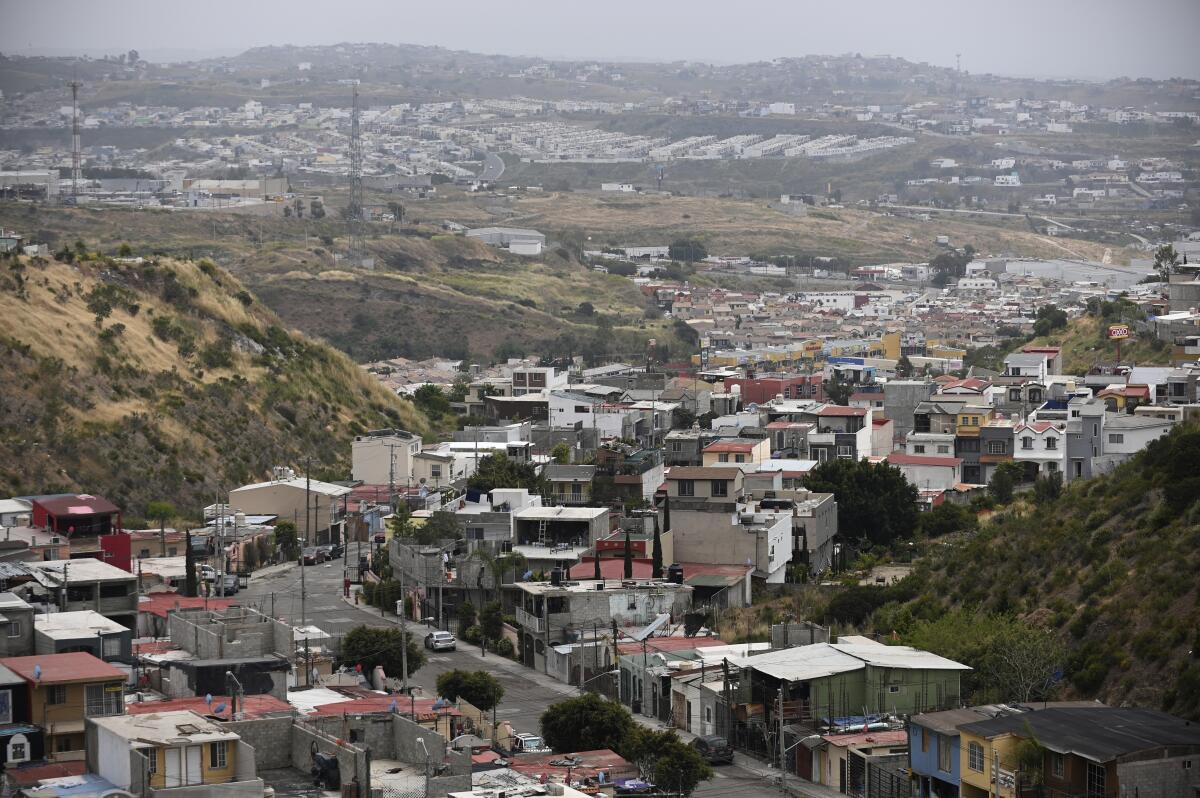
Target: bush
(504,647)
(471,634)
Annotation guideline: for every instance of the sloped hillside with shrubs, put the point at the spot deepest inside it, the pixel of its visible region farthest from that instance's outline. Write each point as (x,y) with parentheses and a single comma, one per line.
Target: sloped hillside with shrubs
(161,380)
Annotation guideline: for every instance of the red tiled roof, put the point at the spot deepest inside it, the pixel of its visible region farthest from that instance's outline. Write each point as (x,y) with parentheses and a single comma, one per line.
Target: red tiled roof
(153,647)
(729,446)
(880,422)
(161,603)
(1037,426)
(76,666)
(899,458)
(866,739)
(667,644)
(839,410)
(77,504)
(383,703)
(30,776)
(253,706)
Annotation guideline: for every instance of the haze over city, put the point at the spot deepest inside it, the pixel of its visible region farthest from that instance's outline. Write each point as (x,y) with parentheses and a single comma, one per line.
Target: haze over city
(1095,40)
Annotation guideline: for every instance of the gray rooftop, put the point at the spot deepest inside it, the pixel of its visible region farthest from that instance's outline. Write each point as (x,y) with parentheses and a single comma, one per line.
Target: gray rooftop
(1096,733)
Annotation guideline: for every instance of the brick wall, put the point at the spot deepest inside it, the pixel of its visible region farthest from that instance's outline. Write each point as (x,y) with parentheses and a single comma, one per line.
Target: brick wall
(271,739)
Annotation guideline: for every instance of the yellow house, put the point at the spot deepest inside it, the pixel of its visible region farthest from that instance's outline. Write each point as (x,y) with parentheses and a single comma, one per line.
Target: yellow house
(987,765)
(971,418)
(64,691)
(179,749)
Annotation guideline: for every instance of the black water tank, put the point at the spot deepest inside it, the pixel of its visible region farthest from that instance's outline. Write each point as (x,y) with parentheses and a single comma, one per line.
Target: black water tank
(556,577)
(675,573)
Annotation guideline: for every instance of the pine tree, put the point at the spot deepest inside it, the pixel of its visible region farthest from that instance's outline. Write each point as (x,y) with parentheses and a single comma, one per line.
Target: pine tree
(189,560)
(597,575)
(656,562)
(628,556)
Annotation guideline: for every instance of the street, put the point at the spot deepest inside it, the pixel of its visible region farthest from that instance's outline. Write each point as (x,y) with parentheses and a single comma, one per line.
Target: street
(527,693)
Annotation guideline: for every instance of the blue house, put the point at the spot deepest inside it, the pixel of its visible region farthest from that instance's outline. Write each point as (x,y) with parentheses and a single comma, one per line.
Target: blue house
(933,750)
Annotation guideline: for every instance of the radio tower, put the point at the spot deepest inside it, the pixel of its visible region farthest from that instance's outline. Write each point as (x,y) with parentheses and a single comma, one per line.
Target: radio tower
(356,190)
(76,155)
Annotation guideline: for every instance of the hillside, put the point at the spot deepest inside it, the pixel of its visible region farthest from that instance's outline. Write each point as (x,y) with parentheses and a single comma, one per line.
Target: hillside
(1109,568)
(165,379)
(1084,343)
(429,294)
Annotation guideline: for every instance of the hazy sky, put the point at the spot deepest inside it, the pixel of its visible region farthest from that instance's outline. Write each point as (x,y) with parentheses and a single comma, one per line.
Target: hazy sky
(1071,38)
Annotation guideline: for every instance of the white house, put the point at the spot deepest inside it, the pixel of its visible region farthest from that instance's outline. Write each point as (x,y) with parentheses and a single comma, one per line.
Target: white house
(1041,443)
(1007,180)
(1126,435)
(927,472)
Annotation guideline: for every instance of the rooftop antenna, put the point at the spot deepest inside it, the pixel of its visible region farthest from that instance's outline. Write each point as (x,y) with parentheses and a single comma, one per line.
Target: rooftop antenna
(958,63)
(356,195)
(76,155)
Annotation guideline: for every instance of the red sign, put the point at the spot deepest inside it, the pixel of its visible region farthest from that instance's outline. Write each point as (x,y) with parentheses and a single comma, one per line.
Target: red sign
(1117,332)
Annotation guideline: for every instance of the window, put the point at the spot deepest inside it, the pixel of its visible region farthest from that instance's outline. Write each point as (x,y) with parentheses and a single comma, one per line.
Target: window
(1095,780)
(1095,430)
(720,487)
(1058,765)
(56,694)
(1078,468)
(143,554)
(893,688)
(1027,442)
(996,447)
(943,449)
(63,744)
(105,699)
(1114,437)
(925,735)
(919,448)
(1052,443)
(975,757)
(676,446)
(435,471)
(1014,395)
(152,760)
(944,751)
(1051,468)
(110,647)
(581,408)
(740,458)
(845,451)
(14,629)
(708,714)
(723,457)
(217,754)
(687,487)
(576,492)
(16,752)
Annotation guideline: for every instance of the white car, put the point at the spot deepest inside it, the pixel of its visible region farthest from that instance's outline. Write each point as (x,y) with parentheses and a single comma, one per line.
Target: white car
(440,641)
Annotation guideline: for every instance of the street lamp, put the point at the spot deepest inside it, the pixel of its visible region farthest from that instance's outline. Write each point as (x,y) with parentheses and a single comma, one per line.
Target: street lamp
(586,682)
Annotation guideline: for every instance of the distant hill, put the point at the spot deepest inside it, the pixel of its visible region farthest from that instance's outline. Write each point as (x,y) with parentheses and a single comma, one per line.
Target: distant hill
(1112,567)
(1084,343)
(164,380)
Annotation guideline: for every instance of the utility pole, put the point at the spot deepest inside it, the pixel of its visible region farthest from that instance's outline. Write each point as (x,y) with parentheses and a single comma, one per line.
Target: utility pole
(76,153)
(782,753)
(307,502)
(403,630)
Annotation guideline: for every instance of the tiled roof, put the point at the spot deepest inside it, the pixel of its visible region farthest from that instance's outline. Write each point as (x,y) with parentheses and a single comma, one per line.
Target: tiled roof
(75,666)
(899,458)
(839,410)
(703,472)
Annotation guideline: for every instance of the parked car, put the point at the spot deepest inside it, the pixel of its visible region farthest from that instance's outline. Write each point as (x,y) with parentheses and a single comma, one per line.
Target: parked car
(207,573)
(440,641)
(312,556)
(715,750)
(332,550)
(230,584)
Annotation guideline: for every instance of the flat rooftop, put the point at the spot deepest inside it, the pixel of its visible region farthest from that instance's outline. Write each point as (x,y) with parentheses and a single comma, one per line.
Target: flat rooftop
(589,586)
(70,625)
(145,730)
(560,513)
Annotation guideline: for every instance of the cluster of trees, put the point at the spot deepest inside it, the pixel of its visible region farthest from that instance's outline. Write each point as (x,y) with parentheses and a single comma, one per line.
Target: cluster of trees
(478,688)
(591,722)
(1049,318)
(497,471)
(875,502)
(687,250)
(368,646)
(947,267)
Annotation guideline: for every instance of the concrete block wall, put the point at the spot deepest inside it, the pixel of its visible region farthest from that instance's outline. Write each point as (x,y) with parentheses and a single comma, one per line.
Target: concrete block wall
(271,739)
(352,760)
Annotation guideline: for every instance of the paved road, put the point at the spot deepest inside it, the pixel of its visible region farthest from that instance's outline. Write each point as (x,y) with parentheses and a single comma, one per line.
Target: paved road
(493,166)
(527,693)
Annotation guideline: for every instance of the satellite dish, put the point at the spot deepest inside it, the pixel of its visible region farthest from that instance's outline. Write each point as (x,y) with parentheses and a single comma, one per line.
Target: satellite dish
(218,709)
(37,672)
(208,699)
(752,407)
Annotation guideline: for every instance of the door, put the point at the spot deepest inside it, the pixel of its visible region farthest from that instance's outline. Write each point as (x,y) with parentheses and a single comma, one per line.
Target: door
(174,774)
(195,774)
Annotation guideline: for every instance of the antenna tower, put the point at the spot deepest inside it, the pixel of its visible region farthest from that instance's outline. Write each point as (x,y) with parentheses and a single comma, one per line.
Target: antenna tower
(76,154)
(356,189)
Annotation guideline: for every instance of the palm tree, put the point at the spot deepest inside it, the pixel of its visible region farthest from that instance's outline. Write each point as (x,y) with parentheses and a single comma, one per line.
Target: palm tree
(498,566)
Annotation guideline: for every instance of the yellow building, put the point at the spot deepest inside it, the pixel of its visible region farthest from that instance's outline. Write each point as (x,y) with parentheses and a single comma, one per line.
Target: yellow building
(987,765)
(179,749)
(64,691)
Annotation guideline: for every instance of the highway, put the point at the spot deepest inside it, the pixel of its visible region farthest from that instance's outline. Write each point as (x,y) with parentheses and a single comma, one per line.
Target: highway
(493,166)
(527,693)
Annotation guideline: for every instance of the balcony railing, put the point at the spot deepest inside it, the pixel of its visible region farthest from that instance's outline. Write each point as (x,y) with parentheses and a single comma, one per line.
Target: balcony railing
(530,621)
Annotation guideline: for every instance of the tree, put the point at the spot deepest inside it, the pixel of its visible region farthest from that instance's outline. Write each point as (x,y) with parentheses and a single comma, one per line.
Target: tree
(1004,479)
(491,622)
(904,367)
(1165,259)
(368,646)
(478,688)
(874,502)
(945,519)
(666,761)
(189,567)
(656,555)
(837,391)
(587,723)
(466,617)
(1021,662)
(1047,488)
(586,309)
(439,526)
(397,211)
(287,540)
(628,557)
(686,250)
(432,400)
(160,512)
(497,471)
(298,207)
(561,453)
(316,209)
(1049,319)
(133,57)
